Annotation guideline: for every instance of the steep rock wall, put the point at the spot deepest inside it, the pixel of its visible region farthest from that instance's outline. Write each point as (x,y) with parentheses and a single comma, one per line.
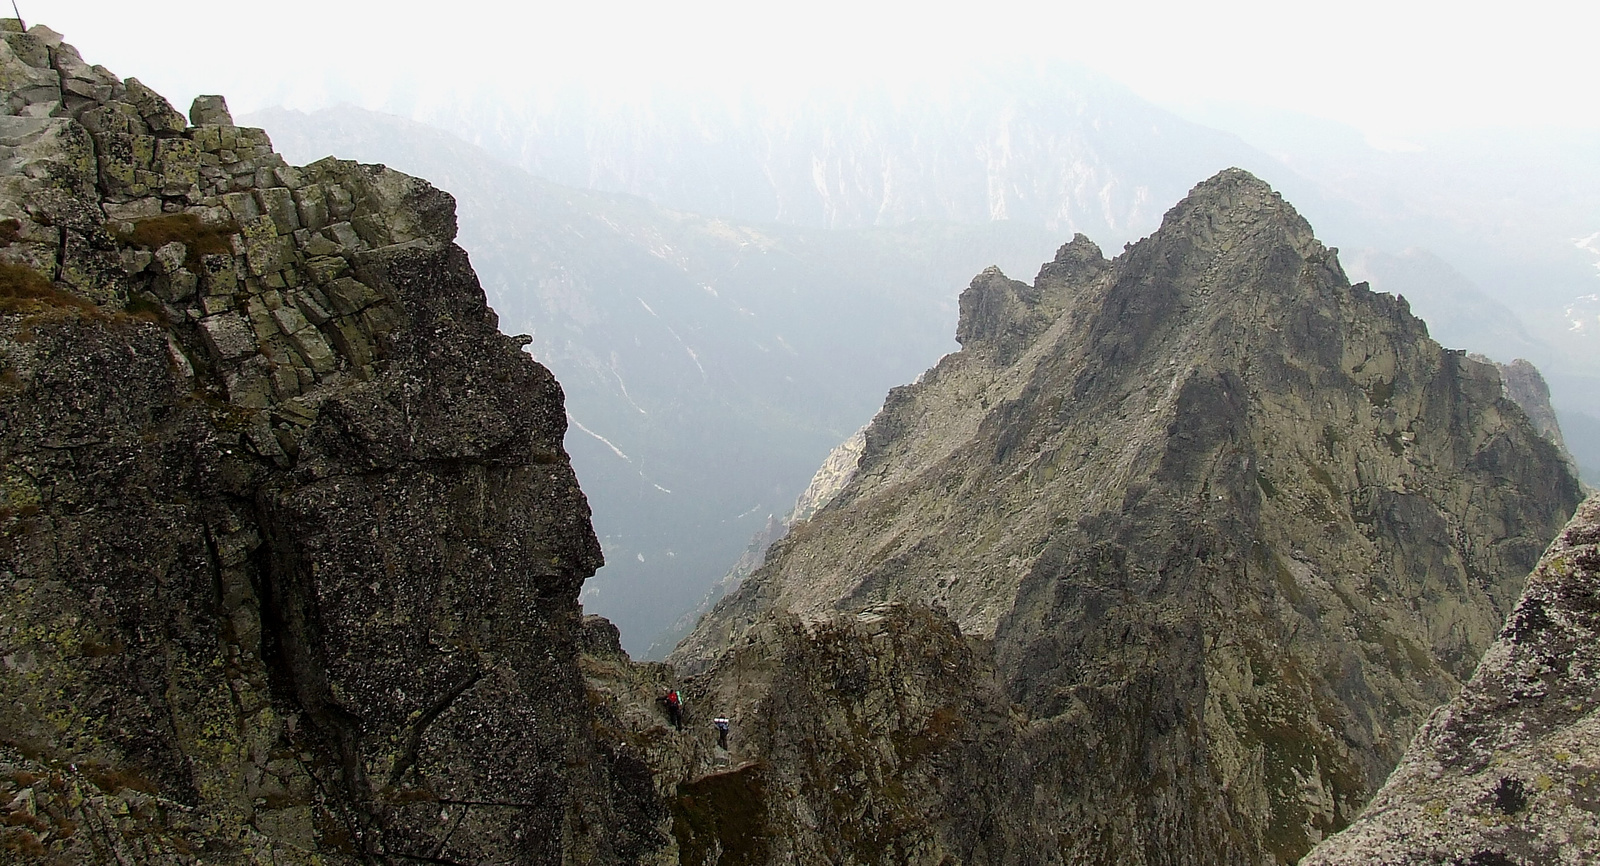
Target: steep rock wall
(291,549)
(1506,774)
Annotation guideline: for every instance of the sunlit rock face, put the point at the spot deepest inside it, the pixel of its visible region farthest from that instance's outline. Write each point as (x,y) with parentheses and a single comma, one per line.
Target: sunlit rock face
(1507,772)
(1216,531)
(291,547)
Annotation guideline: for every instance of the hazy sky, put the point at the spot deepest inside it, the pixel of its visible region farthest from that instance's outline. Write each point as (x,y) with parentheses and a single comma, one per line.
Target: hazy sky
(1389,67)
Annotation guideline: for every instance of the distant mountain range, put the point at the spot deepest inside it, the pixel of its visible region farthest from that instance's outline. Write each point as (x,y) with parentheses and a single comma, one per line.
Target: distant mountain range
(726,287)
(1066,148)
(1052,145)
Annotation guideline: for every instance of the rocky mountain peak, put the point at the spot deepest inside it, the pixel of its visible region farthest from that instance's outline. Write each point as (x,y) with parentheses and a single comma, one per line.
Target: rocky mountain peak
(1000,317)
(1213,515)
(1235,206)
(1078,261)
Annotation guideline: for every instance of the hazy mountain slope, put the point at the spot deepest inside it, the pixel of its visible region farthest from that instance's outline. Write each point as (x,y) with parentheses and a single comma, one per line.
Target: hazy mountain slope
(709,366)
(1224,527)
(1051,145)
(620,298)
(1461,314)
(1061,147)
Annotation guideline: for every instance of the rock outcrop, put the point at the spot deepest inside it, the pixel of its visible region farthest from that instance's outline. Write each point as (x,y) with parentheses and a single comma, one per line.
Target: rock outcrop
(1217,528)
(291,548)
(1522,383)
(1507,774)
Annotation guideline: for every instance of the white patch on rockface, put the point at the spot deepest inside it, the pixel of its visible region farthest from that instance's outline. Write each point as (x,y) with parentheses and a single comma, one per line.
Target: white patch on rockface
(624,385)
(1590,244)
(607,442)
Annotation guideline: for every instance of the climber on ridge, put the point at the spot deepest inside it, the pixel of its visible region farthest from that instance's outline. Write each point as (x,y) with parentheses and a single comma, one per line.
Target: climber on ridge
(674,704)
(722,731)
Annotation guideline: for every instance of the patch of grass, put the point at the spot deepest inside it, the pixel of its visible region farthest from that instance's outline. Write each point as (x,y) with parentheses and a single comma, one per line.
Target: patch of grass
(398,796)
(1331,438)
(1322,477)
(197,237)
(25,290)
(114,779)
(144,308)
(944,727)
(92,649)
(22,843)
(1381,393)
(23,778)
(284,801)
(1286,583)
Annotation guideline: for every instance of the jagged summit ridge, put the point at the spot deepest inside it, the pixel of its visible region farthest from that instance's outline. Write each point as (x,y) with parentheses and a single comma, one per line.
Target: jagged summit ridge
(1227,526)
(1181,303)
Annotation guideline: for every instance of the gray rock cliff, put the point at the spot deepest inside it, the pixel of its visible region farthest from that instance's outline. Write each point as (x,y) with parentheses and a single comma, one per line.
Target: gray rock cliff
(291,548)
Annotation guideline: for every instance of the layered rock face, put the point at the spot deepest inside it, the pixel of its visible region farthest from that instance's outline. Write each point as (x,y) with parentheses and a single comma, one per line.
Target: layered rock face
(1507,773)
(291,549)
(1218,529)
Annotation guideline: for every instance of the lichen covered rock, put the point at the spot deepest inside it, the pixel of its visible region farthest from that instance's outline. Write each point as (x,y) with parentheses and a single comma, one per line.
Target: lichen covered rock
(291,548)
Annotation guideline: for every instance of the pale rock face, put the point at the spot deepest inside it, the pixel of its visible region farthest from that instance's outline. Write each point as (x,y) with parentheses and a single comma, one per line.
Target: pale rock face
(1508,773)
(291,548)
(1224,527)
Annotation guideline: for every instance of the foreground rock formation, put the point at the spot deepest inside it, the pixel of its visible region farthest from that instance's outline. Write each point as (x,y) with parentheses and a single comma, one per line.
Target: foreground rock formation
(291,549)
(1166,565)
(1508,773)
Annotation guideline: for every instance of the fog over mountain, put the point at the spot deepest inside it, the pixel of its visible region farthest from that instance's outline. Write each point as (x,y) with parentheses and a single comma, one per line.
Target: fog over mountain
(709,365)
(726,285)
(1515,212)
(1051,144)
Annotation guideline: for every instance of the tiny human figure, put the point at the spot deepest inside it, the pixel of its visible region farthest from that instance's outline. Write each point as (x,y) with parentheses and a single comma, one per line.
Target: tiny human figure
(722,731)
(674,704)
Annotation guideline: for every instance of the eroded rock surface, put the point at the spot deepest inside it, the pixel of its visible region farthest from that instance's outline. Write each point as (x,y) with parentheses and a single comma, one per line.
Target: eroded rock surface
(1219,529)
(1508,773)
(291,548)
